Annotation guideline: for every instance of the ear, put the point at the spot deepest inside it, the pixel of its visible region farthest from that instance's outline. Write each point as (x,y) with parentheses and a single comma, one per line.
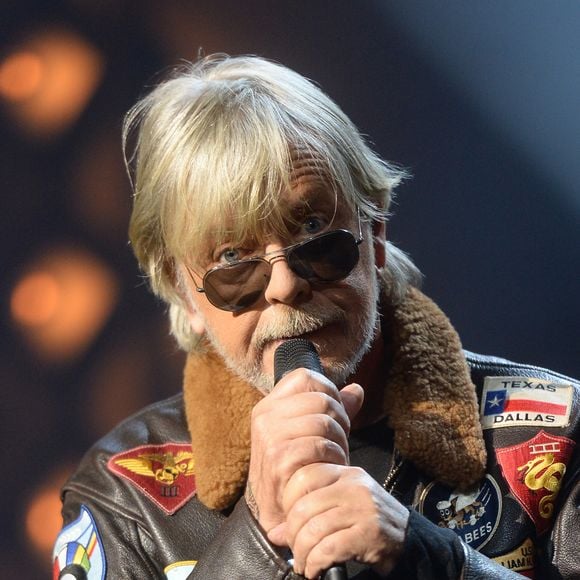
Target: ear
(196,320)
(194,316)
(379,230)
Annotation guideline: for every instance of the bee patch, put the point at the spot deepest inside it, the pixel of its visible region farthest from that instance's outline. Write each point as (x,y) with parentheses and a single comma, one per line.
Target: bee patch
(473,516)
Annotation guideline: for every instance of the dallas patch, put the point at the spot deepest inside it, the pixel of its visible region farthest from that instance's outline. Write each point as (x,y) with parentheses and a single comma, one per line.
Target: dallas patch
(534,471)
(164,473)
(508,401)
(472,516)
(78,551)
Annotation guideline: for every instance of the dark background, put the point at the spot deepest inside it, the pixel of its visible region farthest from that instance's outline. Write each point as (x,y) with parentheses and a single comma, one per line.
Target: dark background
(479,101)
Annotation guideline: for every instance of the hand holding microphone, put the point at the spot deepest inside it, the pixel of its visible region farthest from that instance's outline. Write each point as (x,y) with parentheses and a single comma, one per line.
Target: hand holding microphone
(302,422)
(295,354)
(307,495)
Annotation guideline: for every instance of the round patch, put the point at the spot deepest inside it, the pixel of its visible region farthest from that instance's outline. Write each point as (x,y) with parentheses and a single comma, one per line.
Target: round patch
(473,516)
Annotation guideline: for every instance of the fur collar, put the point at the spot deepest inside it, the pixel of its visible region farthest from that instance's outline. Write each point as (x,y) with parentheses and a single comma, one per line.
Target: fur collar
(430,401)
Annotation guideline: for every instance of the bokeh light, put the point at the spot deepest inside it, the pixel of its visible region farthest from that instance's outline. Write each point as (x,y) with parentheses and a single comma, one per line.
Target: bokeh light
(48,80)
(20,75)
(43,520)
(62,302)
(35,300)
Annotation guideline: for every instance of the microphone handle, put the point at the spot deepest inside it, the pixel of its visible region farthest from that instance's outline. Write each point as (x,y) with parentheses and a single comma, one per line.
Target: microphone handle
(295,354)
(335,573)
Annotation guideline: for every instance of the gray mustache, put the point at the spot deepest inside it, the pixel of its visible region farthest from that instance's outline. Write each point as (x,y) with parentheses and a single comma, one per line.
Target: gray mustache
(292,322)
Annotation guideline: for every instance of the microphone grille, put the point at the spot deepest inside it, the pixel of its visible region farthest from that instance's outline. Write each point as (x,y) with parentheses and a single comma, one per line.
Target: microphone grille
(295,354)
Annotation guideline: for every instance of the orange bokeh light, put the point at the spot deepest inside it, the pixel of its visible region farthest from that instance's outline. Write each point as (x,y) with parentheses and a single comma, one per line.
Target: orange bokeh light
(35,299)
(43,520)
(48,81)
(62,302)
(20,75)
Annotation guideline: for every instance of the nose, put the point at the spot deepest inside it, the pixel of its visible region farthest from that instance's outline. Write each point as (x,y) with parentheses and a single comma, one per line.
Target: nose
(284,286)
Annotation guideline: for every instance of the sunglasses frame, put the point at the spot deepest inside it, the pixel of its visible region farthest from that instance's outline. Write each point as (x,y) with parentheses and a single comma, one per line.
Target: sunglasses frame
(269,257)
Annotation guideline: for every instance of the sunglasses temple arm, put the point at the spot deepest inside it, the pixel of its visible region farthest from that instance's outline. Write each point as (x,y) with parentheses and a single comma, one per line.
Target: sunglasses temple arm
(360,236)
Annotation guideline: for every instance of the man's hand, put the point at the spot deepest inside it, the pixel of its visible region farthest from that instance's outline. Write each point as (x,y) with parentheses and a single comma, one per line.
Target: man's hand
(337,513)
(303,421)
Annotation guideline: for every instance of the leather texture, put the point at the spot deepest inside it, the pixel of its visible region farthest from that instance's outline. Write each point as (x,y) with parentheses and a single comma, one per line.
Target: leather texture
(140,540)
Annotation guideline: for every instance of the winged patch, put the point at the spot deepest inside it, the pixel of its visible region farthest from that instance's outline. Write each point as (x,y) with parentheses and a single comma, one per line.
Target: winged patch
(164,473)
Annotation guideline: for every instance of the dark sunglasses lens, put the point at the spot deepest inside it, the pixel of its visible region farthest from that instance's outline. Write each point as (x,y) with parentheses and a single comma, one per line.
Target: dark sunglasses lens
(238,286)
(327,258)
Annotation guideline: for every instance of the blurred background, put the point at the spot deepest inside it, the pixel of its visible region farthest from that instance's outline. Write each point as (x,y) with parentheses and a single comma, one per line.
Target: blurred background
(478,100)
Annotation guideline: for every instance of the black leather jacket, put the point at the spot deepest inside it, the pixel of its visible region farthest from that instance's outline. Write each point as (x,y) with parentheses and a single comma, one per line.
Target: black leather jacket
(507,518)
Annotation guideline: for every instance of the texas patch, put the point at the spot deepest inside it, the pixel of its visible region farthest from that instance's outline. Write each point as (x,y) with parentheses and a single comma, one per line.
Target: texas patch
(164,473)
(473,516)
(508,401)
(534,471)
(78,551)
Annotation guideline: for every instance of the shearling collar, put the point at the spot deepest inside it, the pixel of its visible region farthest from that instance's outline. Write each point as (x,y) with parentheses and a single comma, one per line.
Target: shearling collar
(429,399)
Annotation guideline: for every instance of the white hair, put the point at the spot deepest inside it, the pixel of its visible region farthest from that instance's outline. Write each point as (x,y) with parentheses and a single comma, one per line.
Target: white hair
(220,134)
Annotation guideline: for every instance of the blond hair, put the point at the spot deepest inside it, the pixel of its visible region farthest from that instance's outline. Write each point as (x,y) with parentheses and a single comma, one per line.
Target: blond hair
(218,136)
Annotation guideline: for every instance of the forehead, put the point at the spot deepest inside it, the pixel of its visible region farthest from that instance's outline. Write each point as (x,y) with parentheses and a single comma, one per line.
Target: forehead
(310,186)
(270,208)
(310,182)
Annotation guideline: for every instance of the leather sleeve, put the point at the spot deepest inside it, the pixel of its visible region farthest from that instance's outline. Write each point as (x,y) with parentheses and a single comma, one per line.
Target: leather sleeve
(121,539)
(478,566)
(240,551)
(562,549)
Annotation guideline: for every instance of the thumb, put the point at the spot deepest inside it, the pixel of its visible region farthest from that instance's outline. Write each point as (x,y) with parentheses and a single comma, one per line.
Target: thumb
(277,535)
(352,397)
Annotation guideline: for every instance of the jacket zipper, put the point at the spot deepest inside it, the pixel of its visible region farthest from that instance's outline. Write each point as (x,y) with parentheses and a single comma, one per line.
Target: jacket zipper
(398,461)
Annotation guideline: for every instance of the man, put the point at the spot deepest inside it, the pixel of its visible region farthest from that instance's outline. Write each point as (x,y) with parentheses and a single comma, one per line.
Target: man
(259,217)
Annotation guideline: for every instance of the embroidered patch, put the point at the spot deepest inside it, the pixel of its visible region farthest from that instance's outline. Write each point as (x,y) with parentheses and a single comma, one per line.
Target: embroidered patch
(520,560)
(164,473)
(534,471)
(78,551)
(179,570)
(508,401)
(473,516)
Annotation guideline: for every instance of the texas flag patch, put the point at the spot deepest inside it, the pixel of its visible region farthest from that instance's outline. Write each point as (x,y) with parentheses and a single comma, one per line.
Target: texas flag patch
(164,473)
(509,401)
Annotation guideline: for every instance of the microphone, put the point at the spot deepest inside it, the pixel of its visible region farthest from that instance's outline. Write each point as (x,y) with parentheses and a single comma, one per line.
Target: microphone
(299,353)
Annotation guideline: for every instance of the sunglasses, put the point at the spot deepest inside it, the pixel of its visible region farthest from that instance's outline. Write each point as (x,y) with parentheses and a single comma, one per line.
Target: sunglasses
(326,257)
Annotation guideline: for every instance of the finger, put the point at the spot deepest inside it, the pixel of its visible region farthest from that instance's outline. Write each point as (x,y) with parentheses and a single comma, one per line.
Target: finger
(305,481)
(306,512)
(318,425)
(295,454)
(303,380)
(299,405)
(313,532)
(277,535)
(352,397)
(336,548)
